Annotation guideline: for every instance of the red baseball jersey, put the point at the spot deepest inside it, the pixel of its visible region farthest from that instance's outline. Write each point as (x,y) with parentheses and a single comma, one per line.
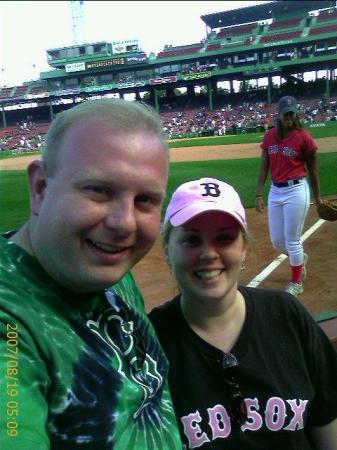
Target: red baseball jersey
(287,156)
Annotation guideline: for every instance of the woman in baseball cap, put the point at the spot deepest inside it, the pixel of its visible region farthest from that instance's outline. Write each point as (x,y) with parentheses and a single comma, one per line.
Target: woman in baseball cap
(249,368)
(290,153)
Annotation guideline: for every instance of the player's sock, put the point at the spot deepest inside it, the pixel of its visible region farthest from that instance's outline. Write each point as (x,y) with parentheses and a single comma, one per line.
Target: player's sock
(296,274)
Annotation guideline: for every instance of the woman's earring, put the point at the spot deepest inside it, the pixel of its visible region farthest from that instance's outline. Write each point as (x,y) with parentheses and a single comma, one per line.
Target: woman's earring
(243,265)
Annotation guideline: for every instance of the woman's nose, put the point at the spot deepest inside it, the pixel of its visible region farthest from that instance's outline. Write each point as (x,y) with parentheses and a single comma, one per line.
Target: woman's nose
(208,252)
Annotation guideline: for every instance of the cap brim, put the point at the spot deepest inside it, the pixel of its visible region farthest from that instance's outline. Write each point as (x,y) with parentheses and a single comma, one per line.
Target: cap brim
(290,109)
(191,211)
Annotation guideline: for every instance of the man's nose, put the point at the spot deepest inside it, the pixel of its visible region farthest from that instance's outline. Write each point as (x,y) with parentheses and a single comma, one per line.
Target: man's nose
(121,217)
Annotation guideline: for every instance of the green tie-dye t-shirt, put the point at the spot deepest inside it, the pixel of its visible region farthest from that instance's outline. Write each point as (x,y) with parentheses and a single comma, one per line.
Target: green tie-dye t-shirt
(78,371)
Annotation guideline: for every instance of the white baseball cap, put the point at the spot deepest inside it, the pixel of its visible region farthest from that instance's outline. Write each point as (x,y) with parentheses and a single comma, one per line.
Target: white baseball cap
(207,194)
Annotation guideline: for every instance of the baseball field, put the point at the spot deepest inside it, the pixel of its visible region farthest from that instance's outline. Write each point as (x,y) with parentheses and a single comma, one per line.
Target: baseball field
(234,159)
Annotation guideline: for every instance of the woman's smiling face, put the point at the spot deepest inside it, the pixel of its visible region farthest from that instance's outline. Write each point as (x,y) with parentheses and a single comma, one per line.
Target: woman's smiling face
(205,255)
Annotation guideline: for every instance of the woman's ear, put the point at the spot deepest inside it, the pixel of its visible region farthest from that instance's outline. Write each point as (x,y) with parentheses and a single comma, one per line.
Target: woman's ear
(243,258)
(37,182)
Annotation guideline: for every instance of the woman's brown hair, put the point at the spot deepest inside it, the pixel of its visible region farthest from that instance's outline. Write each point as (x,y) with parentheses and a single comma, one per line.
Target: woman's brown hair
(281,133)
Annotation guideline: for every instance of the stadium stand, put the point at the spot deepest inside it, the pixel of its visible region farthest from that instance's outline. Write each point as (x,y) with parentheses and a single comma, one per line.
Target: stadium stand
(179,51)
(241,47)
(37,90)
(23,137)
(330,14)
(325,29)
(19,91)
(238,30)
(212,47)
(286,23)
(6,92)
(239,117)
(281,36)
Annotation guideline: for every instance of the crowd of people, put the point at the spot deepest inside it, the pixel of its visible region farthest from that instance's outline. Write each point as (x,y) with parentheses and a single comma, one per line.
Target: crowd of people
(25,136)
(228,119)
(243,117)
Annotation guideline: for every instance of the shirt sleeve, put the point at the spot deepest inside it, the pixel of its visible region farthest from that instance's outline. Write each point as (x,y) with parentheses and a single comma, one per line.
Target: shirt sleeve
(309,145)
(323,367)
(23,389)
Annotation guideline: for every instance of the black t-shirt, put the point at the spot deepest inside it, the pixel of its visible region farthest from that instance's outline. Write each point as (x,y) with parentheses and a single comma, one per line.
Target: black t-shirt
(287,373)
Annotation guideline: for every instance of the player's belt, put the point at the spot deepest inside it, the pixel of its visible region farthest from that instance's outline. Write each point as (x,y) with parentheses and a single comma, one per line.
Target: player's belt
(286,183)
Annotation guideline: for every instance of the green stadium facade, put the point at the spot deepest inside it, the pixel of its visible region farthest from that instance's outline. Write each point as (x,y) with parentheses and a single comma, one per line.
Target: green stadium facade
(275,39)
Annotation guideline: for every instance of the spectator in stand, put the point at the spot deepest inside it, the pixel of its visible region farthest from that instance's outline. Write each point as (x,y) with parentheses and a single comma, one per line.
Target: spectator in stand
(266,122)
(80,364)
(249,368)
(289,152)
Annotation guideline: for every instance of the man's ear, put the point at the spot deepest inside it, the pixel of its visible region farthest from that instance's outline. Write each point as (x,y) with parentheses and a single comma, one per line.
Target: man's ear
(37,182)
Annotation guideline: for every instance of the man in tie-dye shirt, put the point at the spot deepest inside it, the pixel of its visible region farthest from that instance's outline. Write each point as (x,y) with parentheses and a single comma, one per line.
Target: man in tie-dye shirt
(81,367)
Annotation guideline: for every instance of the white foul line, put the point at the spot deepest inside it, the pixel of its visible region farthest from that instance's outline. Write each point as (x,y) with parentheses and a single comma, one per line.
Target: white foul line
(279,259)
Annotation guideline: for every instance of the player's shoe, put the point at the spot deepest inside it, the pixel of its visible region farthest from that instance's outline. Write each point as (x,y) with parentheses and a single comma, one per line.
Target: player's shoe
(304,269)
(294,288)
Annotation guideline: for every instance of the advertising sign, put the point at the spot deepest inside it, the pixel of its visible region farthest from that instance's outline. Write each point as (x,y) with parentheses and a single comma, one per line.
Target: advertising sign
(162,80)
(196,75)
(39,95)
(105,63)
(130,45)
(66,91)
(130,84)
(136,59)
(104,87)
(75,67)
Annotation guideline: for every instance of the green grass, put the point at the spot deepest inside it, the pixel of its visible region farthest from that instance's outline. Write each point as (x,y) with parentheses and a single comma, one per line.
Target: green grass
(323,132)
(10,154)
(329,130)
(242,173)
(14,198)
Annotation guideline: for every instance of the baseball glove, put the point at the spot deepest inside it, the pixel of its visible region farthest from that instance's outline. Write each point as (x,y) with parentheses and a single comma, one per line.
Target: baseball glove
(327,210)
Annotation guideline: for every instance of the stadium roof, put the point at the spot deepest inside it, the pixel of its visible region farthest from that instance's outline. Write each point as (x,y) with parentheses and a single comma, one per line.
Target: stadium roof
(263,11)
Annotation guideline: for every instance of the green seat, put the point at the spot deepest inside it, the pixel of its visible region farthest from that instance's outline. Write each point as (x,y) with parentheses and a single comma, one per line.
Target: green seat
(325,315)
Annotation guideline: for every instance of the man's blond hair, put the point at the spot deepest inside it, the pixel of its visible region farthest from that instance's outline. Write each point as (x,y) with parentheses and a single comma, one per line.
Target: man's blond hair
(121,115)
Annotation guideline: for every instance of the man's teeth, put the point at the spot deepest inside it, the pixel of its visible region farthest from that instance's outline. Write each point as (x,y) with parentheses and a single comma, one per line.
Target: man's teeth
(209,274)
(106,247)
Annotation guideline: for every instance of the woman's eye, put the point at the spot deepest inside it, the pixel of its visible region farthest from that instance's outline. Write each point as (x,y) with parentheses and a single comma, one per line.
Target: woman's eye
(190,240)
(227,237)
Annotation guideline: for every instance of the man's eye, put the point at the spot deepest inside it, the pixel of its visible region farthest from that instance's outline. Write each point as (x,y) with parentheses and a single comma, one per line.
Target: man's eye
(148,199)
(99,190)
(144,198)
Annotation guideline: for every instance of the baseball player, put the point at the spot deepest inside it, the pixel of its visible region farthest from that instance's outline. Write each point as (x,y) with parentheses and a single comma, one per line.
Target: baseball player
(290,153)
